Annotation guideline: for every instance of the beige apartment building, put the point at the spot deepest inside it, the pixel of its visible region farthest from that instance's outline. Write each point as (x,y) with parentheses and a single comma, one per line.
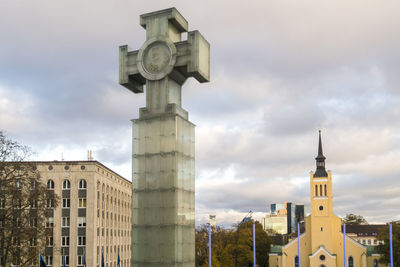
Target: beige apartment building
(94,214)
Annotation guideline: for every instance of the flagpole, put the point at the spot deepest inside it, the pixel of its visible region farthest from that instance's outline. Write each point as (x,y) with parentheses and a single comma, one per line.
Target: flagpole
(209,244)
(254,244)
(298,244)
(391,245)
(344,245)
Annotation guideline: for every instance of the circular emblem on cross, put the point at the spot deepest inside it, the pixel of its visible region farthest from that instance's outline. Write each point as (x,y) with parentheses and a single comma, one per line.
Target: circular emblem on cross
(156,58)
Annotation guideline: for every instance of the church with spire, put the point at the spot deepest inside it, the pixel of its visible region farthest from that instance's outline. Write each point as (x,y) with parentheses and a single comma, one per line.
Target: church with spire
(321,245)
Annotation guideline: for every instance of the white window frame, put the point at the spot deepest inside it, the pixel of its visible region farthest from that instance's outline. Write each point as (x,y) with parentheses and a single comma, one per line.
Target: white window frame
(81,241)
(50,184)
(80,260)
(49,241)
(65,222)
(65,241)
(49,222)
(66,184)
(50,203)
(82,184)
(82,203)
(66,202)
(66,257)
(49,260)
(82,222)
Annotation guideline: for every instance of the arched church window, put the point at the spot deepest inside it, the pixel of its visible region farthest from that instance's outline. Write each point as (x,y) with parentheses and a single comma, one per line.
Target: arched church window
(325,191)
(375,263)
(316,190)
(320,190)
(296,261)
(351,261)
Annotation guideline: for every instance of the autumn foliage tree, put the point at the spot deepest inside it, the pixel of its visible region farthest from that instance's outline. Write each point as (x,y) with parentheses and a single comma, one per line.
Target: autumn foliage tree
(24,202)
(232,247)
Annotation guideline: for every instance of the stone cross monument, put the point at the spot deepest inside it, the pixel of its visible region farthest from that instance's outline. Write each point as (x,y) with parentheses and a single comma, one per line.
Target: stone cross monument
(163,139)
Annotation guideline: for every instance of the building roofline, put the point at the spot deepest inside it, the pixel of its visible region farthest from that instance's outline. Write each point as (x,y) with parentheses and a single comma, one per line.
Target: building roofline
(71,162)
(294,240)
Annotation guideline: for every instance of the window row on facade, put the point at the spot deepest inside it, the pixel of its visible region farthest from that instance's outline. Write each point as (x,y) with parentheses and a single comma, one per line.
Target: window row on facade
(66,184)
(321,190)
(350,261)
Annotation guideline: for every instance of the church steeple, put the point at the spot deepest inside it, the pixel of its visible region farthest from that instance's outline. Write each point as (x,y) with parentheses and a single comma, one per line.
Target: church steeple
(320,160)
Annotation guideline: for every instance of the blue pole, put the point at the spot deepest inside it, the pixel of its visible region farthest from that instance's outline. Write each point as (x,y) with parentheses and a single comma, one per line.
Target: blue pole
(209,245)
(344,246)
(391,245)
(298,244)
(254,244)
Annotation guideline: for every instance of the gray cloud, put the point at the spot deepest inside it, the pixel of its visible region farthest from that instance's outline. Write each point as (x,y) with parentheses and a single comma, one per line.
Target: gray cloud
(278,70)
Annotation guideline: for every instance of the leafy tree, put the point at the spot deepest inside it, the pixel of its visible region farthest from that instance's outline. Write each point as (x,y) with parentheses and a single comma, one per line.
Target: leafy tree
(23,205)
(352,219)
(232,247)
(384,249)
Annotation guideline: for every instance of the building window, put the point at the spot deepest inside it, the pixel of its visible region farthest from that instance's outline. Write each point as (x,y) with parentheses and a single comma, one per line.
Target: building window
(65,259)
(316,190)
(50,184)
(369,241)
(81,261)
(49,222)
(32,242)
(322,257)
(351,261)
(66,184)
(375,263)
(33,203)
(49,260)
(66,202)
(16,261)
(81,221)
(296,261)
(50,203)
(321,207)
(325,191)
(33,222)
(320,190)
(65,241)
(81,240)
(65,222)
(82,203)
(82,184)
(49,241)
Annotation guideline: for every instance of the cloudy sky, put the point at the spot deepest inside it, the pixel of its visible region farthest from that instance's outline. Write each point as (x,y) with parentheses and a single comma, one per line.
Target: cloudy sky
(278,68)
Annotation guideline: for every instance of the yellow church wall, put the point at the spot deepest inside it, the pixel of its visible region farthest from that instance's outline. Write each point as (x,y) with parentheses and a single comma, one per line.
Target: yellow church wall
(355,250)
(290,251)
(370,261)
(316,259)
(275,260)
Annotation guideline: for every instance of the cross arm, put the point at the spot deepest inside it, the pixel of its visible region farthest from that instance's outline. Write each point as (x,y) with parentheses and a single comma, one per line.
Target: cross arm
(129,75)
(193,57)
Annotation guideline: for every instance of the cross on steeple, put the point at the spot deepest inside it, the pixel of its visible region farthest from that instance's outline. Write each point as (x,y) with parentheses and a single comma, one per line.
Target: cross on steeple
(164,62)
(320,160)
